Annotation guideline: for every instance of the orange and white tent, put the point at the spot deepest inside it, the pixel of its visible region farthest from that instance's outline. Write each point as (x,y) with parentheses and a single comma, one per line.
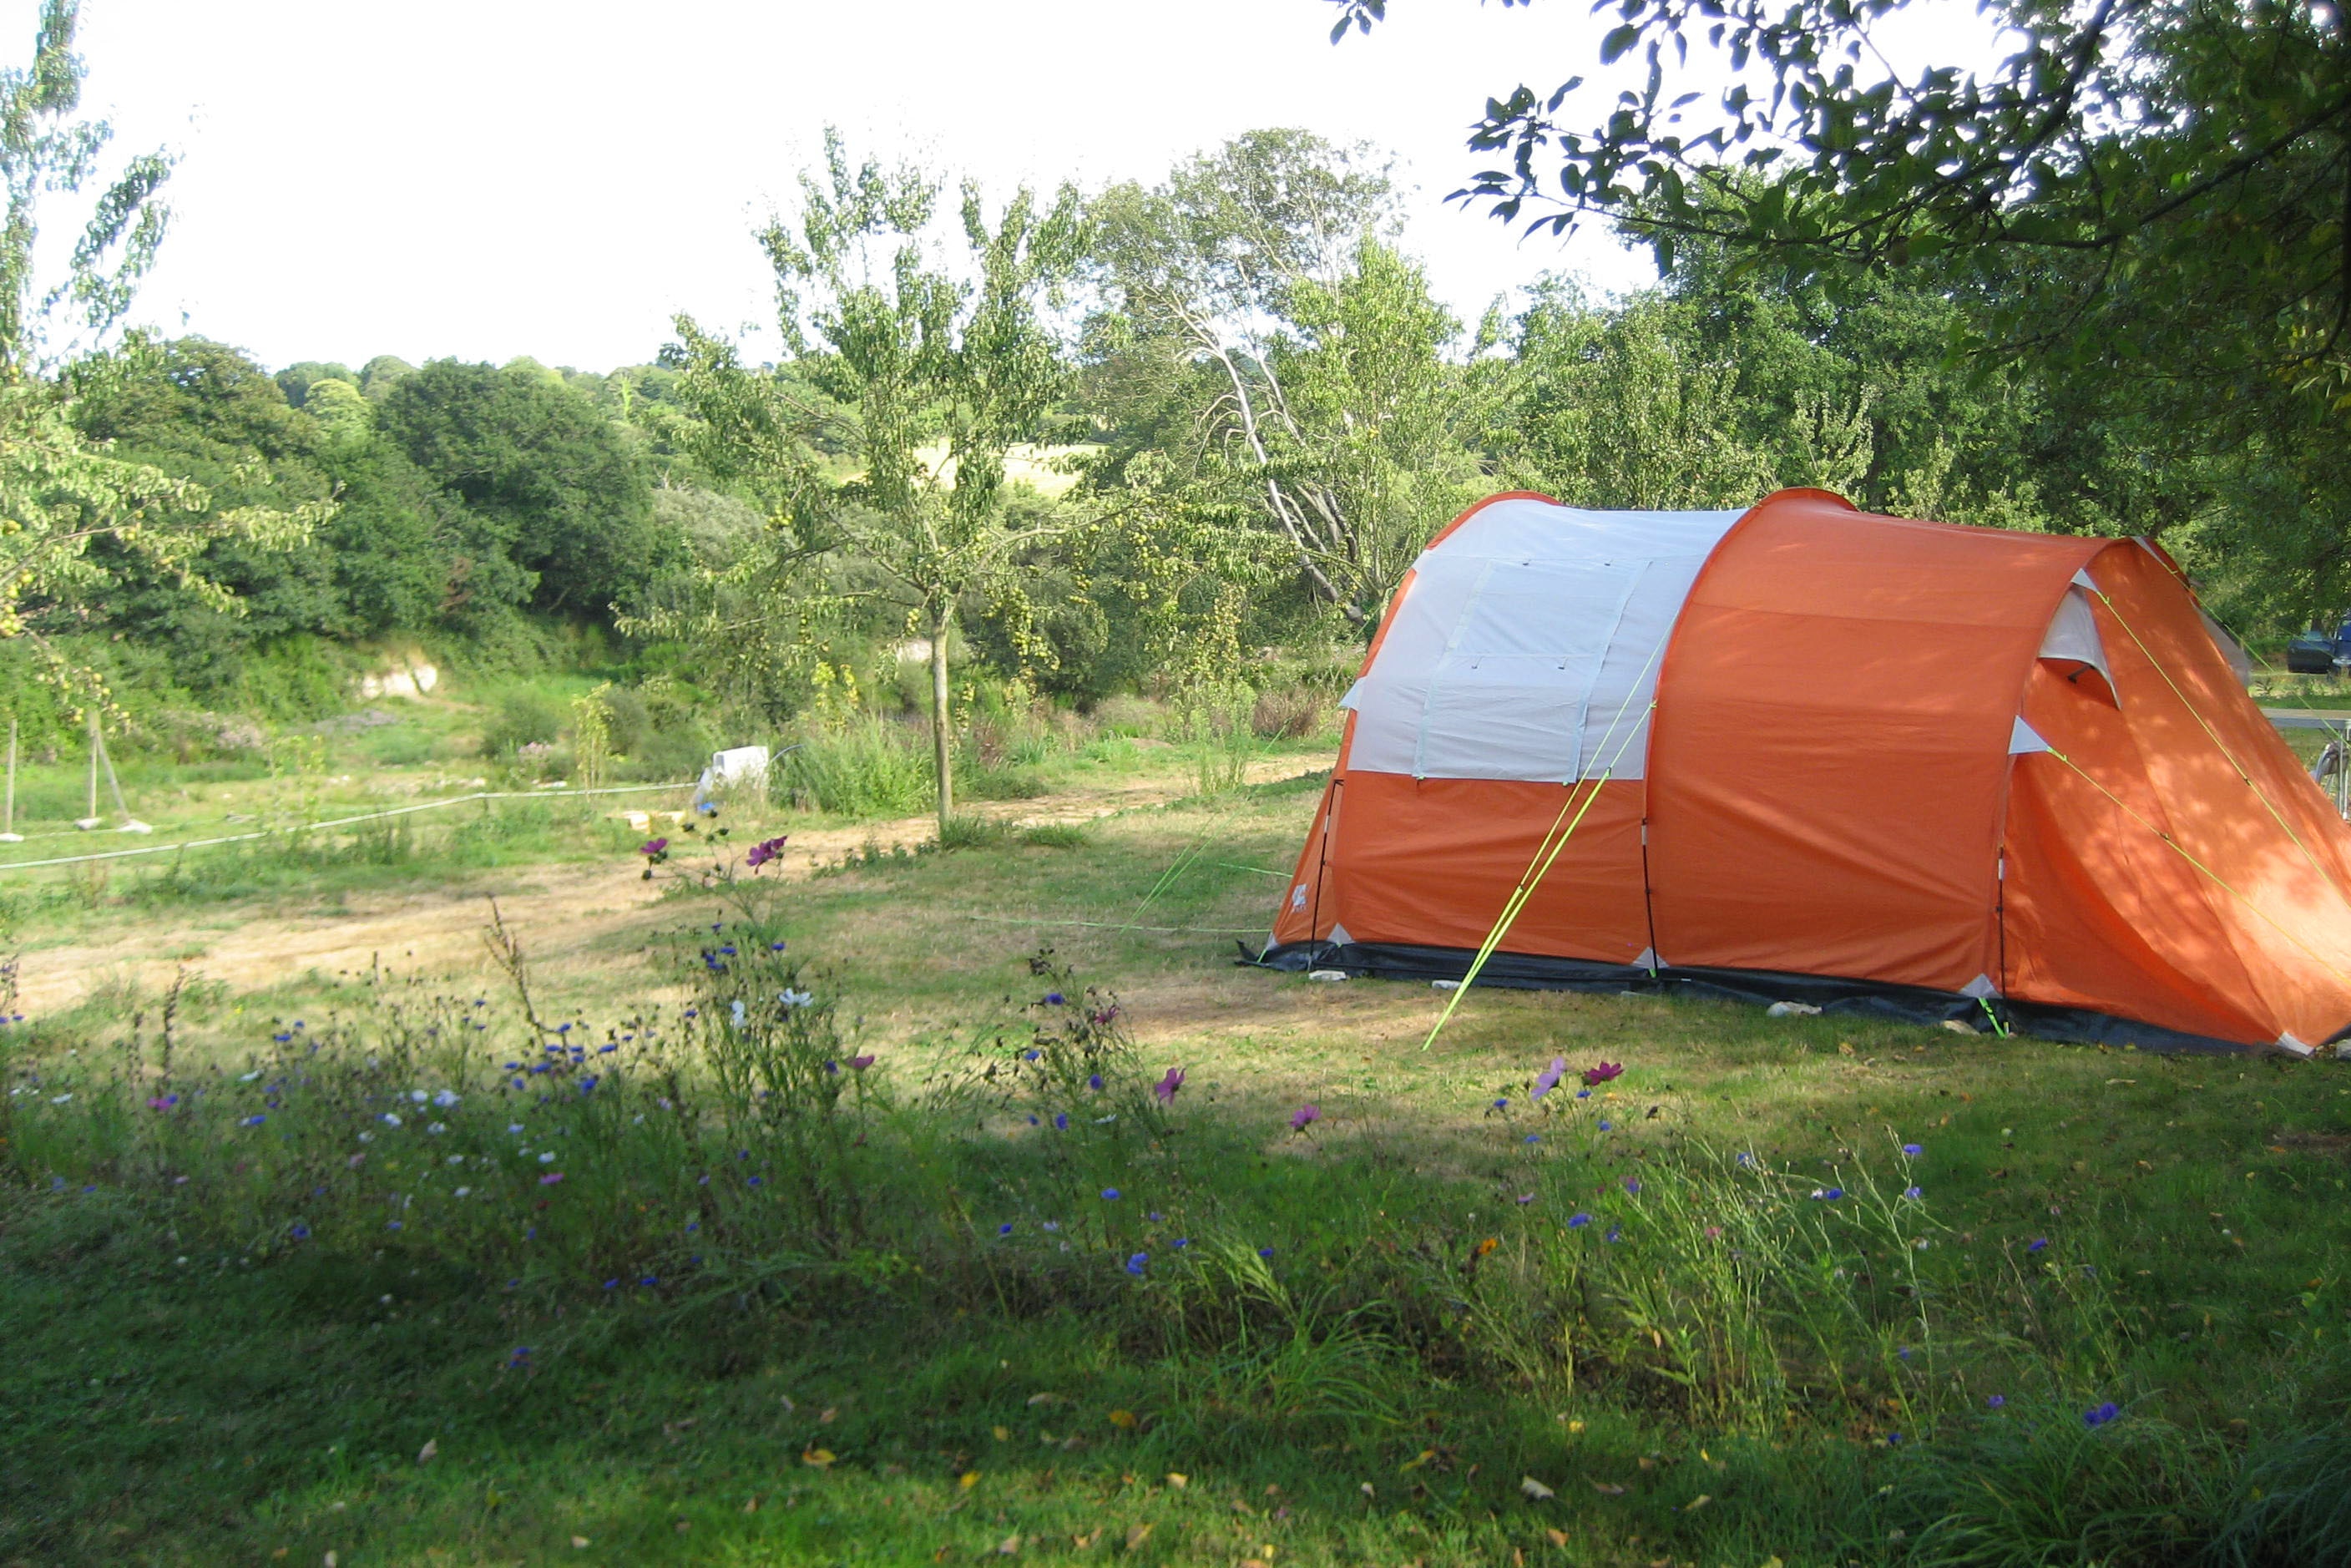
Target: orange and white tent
(1809,753)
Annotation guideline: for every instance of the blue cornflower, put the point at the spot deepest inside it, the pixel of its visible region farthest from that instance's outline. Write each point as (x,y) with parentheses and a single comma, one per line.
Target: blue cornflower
(1913,1150)
(1996,1400)
(1265,1251)
(755,1181)
(1615,1233)
(1110,1194)
(392,1225)
(1912,1192)
(281,1038)
(1030,1055)
(1535,1137)
(1903,1352)
(2100,1415)
(1578,1221)
(1093,1080)
(649,1281)
(1606,1125)
(1583,1094)
(1181,1242)
(2038,1243)
(1055,999)
(514,1067)
(606,1050)
(1501,1105)
(692,1226)
(611,1284)
(563,1029)
(1061,1121)
(1005,1229)
(520,1355)
(300,1232)
(775,946)
(1136,1264)
(253,1121)
(1745,1158)
(1633,1184)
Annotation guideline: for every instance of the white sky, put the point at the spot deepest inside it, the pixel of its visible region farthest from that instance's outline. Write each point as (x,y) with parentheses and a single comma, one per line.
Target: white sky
(489,178)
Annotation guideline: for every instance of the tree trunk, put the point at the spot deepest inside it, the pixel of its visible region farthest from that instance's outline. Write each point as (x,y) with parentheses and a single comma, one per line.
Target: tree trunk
(942,734)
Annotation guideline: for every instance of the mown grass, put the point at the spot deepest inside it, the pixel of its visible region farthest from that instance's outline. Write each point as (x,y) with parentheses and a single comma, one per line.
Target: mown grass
(1432,1325)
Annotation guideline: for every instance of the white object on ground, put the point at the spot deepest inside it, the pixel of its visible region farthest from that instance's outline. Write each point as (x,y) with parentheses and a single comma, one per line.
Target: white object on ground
(1444,985)
(1329,977)
(739,766)
(1792,1010)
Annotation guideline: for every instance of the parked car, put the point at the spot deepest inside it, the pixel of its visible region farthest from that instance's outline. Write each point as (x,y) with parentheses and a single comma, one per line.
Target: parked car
(2310,654)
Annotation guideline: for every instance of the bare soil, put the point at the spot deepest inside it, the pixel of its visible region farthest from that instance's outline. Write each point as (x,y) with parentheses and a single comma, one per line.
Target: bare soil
(569,917)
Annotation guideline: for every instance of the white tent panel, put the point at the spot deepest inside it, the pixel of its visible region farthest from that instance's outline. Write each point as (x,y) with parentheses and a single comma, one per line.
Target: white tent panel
(1527,645)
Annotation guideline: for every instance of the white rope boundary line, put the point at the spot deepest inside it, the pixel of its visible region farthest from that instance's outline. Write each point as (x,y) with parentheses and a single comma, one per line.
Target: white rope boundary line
(345,822)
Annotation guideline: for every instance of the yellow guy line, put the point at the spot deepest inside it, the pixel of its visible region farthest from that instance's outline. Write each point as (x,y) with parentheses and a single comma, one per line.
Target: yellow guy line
(1546,852)
(2213,736)
(2218,881)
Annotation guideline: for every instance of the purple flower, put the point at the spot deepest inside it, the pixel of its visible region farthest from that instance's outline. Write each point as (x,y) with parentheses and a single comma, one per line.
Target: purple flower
(1595,1076)
(163,1102)
(1912,1192)
(1633,1184)
(1547,1079)
(1136,1264)
(1525,1198)
(2100,1415)
(1578,1221)
(1165,1088)
(1155,1217)
(1913,1150)
(1305,1116)
(651,848)
(764,852)
(550,1178)
(1996,1400)
(860,1063)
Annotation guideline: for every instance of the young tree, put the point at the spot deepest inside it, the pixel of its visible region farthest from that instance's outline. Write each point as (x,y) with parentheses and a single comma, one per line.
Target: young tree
(911,348)
(60,494)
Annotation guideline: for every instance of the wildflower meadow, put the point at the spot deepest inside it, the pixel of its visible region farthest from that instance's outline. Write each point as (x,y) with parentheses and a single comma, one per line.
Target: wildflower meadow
(801,1233)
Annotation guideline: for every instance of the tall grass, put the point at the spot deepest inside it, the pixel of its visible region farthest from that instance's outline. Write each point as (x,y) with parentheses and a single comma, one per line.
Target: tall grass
(732,1143)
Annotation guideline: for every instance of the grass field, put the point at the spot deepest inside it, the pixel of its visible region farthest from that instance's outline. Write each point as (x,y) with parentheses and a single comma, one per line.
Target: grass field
(282,1272)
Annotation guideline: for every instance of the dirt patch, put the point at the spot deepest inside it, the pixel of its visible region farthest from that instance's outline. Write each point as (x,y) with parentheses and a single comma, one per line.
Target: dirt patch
(568,917)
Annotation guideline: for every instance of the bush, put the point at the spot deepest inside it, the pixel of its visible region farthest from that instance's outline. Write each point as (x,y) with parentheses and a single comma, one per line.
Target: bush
(1289,714)
(521,718)
(868,767)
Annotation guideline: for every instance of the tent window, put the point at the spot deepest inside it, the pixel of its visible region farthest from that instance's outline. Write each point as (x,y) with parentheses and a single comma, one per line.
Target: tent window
(2075,647)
